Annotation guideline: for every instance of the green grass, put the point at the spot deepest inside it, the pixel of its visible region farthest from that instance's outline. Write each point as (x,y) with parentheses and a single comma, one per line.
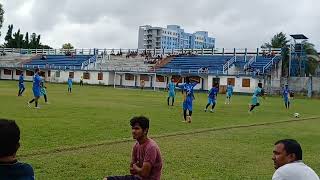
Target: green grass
(84,135)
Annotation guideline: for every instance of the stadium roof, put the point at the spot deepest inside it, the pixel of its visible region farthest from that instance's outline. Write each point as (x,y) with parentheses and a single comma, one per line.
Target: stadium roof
(298,36)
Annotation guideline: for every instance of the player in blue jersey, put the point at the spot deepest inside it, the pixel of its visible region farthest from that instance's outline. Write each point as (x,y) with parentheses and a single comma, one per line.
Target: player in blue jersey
(286,96)
(21,84)
(255,97)
(229,92)
(69,84)
(171,89)
(188,97)
(212,97)
(36,88)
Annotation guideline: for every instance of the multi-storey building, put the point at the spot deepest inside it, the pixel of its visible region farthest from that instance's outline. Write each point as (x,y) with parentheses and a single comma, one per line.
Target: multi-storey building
(173,37)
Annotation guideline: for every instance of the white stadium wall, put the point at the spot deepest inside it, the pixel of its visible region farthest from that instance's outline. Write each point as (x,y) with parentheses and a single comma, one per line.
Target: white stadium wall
(238,86)
(62,77)
(109,78)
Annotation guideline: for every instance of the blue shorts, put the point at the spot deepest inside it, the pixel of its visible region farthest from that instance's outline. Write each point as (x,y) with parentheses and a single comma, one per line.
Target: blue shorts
(229,94)
(171,94)
(36,93)
(254,100)
(21,86)
(187,105)
(286,99)
(211,101)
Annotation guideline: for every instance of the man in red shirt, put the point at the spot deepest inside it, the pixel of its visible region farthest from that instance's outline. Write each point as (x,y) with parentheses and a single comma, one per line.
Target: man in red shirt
(146,161)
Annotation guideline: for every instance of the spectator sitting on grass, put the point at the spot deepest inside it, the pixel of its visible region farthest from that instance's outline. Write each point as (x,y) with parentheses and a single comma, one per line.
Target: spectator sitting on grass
(287,158)
(10,168)
(146,161)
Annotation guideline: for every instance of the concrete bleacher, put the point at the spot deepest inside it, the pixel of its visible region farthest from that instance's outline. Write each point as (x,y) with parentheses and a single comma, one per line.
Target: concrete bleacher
(192,64)
(14,59)
(59,61)
(121,63)
(261,62)
(241,61)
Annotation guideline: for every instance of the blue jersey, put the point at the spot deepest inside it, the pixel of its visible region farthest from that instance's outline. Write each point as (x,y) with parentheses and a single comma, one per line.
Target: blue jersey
(16,170)
(213,93)
(21,80)
(285,92)
(171,87)
(188,88)
(69,81)
(230,89)
(36,82)
(257,92)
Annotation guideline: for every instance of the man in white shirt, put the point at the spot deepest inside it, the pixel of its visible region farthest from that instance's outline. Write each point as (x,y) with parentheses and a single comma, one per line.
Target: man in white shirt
(287,158)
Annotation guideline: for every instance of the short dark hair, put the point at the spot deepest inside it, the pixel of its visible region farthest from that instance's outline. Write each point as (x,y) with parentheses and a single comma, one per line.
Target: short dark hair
(260,85)
(141,120)
(37,70)
(9,137)
(187,80)
(292,147)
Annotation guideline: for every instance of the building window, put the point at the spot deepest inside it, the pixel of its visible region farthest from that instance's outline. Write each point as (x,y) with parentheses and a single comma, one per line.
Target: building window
(160,78)
(245,82)
(71,75)
(29,73)
(57,74)
(129,77)
(49,73)
(100,76)
(86,75)
(7,72)
(18,72)
(42,74)
(176,78)
(144,77)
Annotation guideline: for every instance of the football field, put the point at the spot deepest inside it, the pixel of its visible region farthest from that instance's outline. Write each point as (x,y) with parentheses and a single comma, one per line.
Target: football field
(86,134)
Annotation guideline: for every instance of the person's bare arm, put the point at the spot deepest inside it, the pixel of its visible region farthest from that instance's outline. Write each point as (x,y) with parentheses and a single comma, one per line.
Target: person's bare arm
(144,171)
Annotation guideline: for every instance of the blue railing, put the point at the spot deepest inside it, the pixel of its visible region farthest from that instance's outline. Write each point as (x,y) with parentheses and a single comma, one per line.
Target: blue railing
(93,59)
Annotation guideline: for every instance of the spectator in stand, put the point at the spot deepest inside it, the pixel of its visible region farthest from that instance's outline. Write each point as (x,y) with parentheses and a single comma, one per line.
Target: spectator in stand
(273,54)
(44,57)
(264,53)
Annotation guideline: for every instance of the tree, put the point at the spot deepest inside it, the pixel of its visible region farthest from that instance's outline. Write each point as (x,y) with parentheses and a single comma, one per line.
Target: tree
(280,41)
(1,16)
(8,37)
(67,46)
(26,41)
(17,41)
(312,58)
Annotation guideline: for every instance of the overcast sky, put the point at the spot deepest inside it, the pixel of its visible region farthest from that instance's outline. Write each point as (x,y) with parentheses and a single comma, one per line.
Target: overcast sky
(114,24)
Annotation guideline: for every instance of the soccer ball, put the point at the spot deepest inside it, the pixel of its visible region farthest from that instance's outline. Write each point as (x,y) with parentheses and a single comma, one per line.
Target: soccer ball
(296,115)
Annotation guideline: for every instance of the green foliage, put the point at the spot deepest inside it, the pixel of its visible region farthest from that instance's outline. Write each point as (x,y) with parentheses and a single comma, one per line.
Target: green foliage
(17,41)
(67,46)
(280,41)
(1,16)
(313,58)
(92,116)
